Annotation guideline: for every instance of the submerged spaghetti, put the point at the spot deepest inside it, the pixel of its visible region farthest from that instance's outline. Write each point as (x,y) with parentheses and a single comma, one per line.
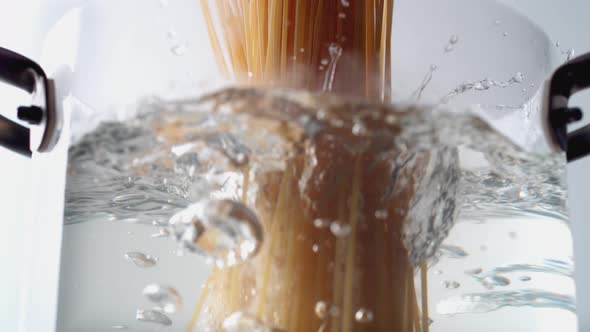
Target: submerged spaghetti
(334,257)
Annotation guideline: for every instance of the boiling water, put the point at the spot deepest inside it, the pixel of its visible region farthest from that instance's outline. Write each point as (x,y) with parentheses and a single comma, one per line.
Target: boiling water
(500,261)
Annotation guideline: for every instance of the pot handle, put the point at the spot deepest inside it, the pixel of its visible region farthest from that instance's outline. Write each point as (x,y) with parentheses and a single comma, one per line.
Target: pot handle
(568,79)
(24,73)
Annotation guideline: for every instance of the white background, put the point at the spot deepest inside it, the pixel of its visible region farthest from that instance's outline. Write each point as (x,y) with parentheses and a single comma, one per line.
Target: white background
(565,21)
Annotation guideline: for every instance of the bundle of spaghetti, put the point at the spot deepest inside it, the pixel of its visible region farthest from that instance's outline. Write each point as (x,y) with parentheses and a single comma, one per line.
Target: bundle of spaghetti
(333,257)
(340,46)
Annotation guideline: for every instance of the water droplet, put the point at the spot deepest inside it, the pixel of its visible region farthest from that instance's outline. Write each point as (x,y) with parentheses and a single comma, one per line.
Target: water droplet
(321,223)
(475,271)
(505,34)
(497,22)
(339,229)
(451,284)
(438,272)
(179,50)
(226,231)
(140,259)
(119,327)
(452,251)
(301,50)
(239,322)
(390,119)
(250,74)
(165,297)
(557,44)
(152,316)
(341,15)
(334,311)
(381,214)
(496,280)
(363,315)
(524,278)
(454,39)
(430,321)
(518,77)
(130,233)
(162,232)
(512,235)
(449,48)
(345,3)
(570,54)
(171,34)
(324,62)
(359,129)
(315,248)
(321,309)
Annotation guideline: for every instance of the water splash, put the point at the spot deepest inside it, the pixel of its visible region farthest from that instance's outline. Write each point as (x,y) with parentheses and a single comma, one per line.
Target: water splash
(417,94)
(166,298)
(152,316)
(453,40)
(225,231)
(141,260)
(452,251)
(363,315)
(339,229)
(482,85)
(335,51)
(179,50)
(450,284)
(491,301)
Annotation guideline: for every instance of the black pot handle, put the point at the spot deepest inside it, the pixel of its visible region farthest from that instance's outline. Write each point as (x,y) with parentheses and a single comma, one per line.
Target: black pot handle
(568,79)
(24,73)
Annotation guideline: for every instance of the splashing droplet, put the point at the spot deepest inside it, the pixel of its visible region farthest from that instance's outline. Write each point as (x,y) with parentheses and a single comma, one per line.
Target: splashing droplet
(363,315)
(315,248)
(141,260)
(152,316)
(570,54)
(179,50)
(165,297)
(449,48)
(505,34)
(324,62)
(239,322)
(452,251)
(341,15)
(454,39)
(321,223)
(359,129)
(226,231)
(171,34)
(321,309)
(557,44)
(381,214)
(162,232)
(438,272)
(475,271)
(451,284)
(339,229)
(495,280)
(345,3)
(524,278)
(497,22)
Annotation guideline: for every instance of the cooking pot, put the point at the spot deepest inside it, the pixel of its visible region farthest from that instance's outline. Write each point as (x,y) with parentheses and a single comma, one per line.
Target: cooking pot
(72,84)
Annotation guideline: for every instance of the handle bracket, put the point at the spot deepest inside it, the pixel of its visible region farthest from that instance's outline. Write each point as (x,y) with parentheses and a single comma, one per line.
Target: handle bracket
(41,115)
(568,79)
